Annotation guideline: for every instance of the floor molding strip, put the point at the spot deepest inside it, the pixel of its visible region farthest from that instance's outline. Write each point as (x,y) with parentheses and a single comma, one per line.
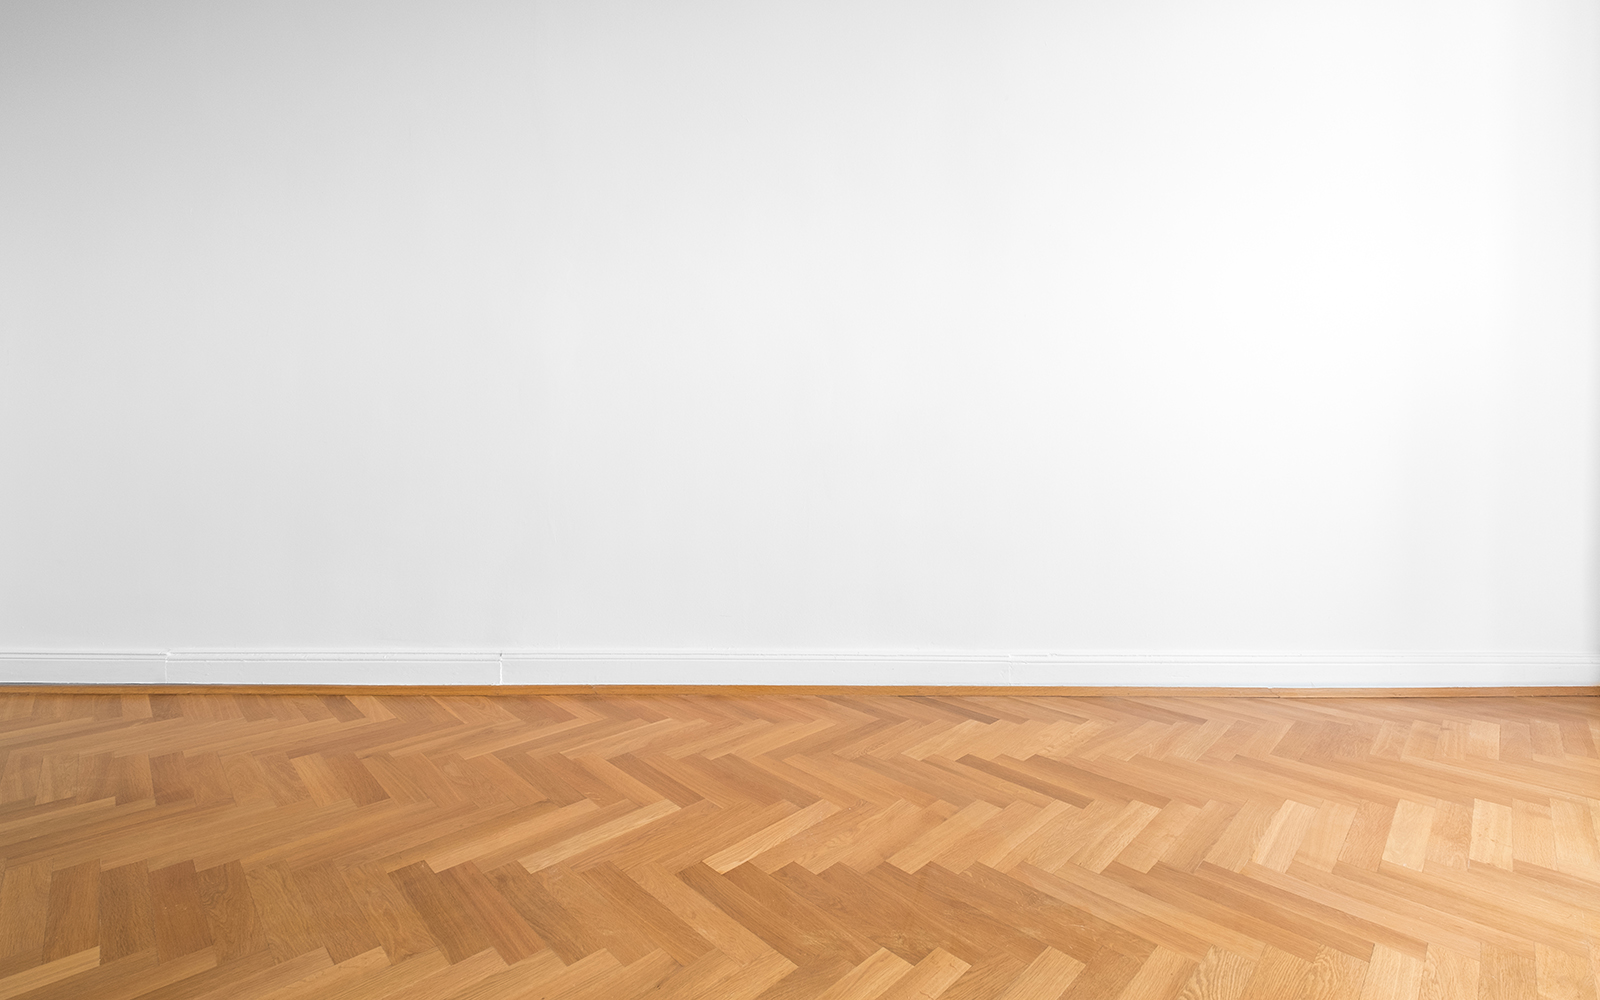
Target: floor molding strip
(796,690)
(1124,671)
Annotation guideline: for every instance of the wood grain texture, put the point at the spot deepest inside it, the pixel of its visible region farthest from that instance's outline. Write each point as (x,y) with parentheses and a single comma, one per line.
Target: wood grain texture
(72,923)
(1447,974)
(784,690)
(756,843)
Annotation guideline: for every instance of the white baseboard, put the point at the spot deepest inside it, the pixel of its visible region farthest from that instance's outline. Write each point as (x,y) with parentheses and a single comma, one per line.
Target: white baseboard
(756,667)
(83,668)
(985,668)
(361,667)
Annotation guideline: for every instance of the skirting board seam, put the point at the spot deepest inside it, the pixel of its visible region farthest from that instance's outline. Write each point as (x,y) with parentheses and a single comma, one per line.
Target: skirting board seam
(843,668)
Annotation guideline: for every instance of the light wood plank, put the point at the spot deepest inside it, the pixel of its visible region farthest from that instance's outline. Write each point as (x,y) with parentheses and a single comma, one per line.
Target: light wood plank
(758,845)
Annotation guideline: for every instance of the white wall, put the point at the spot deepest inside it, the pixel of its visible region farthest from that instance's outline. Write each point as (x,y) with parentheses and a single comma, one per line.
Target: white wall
(801,325)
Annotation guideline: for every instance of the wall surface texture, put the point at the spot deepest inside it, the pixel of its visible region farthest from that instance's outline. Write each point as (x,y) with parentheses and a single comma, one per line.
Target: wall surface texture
(1127,341)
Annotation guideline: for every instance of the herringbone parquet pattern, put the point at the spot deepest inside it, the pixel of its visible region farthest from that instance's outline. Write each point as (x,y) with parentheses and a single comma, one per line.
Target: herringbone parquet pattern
(247,846)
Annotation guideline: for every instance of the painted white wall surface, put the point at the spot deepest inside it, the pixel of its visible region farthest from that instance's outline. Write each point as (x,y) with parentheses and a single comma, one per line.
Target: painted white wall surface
(860,325)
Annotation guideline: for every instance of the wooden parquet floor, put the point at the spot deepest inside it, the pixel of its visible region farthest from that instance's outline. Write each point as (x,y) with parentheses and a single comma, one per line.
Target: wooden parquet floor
(245,846)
